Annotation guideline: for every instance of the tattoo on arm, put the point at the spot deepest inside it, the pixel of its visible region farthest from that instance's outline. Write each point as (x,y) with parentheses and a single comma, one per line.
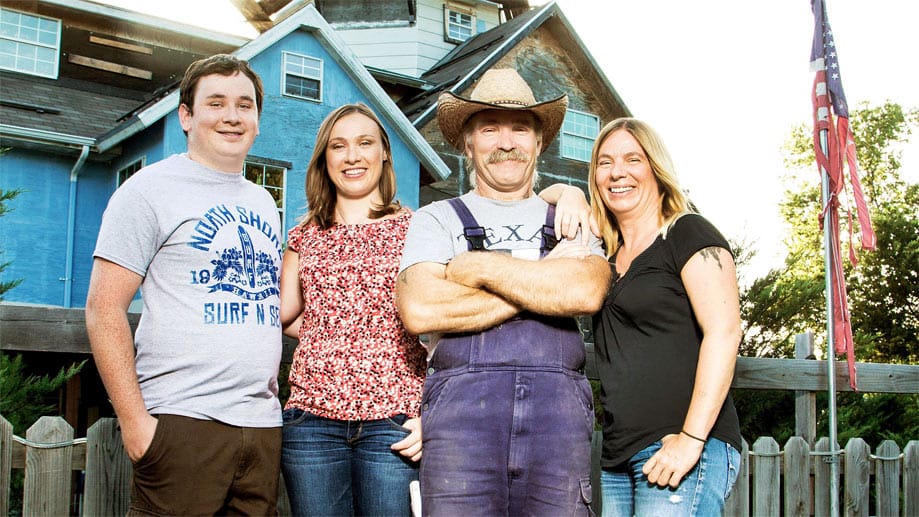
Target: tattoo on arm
(713,253)
(403,277)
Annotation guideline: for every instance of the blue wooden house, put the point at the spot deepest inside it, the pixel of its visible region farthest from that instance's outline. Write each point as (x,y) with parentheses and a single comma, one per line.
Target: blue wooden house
(77,123)
(89,93)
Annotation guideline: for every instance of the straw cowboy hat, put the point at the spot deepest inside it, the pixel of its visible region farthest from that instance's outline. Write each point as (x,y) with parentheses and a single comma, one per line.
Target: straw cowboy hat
(504,89)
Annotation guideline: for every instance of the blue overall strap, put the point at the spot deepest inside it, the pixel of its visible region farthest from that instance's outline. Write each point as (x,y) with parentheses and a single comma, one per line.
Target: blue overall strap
(475,234)
(548,232)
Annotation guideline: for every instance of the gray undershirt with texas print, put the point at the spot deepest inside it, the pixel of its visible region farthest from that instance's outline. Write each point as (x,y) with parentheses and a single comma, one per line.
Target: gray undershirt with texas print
(436,232)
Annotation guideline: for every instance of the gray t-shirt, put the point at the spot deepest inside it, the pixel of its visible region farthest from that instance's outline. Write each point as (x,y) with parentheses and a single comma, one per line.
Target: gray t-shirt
(436,232)
(208,247)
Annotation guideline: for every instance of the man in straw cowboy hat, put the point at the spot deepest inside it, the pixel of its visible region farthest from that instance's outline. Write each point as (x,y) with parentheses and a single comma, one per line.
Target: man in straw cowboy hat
(506,412)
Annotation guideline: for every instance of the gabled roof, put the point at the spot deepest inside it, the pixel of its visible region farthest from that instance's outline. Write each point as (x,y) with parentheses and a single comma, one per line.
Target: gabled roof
(46,105)
(463,66)
(127,16)
(88,99)
(307,19)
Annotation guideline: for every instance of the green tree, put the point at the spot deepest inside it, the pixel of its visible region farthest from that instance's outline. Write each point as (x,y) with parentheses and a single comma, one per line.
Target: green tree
(883,290)
(6,196)
(24,396)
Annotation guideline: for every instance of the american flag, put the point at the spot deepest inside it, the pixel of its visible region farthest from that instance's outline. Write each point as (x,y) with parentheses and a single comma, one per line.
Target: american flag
(829,100)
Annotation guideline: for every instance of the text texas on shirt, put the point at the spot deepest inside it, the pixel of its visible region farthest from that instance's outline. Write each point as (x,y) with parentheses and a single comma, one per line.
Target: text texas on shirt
(504,238)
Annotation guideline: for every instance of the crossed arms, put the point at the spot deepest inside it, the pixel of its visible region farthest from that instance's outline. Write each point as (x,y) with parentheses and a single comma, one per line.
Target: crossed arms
(478,290)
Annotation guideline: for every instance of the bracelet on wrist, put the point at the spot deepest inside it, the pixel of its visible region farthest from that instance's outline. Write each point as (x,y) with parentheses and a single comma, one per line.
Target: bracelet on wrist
(691,436)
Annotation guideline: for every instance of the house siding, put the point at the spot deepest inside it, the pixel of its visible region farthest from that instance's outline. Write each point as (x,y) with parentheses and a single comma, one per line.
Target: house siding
(288,125)
(410,50)
(395,49)
(33,235)
(543,61)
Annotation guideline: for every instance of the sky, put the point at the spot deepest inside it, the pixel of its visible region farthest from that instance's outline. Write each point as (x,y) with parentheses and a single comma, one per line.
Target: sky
(722,81)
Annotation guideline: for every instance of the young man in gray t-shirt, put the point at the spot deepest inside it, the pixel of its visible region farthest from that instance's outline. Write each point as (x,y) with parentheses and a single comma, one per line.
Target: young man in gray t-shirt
(195,390)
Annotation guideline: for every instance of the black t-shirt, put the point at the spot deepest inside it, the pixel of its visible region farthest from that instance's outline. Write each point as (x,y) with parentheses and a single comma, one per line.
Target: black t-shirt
(647,343)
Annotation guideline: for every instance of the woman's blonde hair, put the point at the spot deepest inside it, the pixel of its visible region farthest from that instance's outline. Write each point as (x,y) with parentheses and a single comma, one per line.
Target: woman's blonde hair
(674,203)
(320,191)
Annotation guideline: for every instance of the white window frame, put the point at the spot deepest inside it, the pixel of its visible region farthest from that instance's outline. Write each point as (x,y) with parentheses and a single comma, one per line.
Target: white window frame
(26,46)
(298,62)
(577,139)
(451,27)
(252,161)
(129,169)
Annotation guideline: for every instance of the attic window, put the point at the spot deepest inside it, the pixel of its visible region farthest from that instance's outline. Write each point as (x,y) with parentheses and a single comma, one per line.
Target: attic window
(302,77)
(578,133)
(29,43)
(459,23)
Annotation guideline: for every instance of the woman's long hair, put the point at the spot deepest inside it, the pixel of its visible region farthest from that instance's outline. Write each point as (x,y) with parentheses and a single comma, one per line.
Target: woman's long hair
(674,203)
(320,191)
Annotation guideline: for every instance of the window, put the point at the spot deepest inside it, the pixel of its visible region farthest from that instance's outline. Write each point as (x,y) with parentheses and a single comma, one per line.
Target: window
(29,43)
(302,77)
(459,24)
(128,170)
(271,175)
(578,133)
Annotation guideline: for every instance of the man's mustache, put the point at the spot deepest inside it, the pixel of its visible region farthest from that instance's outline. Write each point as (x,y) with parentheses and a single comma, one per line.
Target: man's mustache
(498,155)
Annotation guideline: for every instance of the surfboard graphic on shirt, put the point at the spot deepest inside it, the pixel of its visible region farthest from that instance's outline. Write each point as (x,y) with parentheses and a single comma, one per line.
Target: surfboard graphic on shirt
(242,271)
(248,255)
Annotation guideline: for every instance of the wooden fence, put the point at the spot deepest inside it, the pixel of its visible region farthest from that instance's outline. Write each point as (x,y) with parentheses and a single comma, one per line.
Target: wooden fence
(792,481)
(772,481)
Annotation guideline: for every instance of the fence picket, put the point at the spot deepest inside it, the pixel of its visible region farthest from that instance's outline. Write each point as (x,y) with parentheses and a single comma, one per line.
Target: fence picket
(6,464)
(108,471)
(857,475)
(797,477)
(887,479)
(911,478)
(766,477)
(48,471)
(780,478)
(822,477)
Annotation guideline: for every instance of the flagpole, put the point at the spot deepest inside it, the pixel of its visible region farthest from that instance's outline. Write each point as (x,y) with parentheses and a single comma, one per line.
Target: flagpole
(828,228)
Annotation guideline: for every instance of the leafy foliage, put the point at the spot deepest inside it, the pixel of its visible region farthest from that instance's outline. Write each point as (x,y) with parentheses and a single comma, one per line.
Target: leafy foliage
(24,397)
(883,290)
(875,417)
(760,413)
(5,196)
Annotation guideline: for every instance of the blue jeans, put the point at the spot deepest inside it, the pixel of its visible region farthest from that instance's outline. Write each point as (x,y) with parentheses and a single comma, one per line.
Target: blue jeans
(626,491)
(340,467)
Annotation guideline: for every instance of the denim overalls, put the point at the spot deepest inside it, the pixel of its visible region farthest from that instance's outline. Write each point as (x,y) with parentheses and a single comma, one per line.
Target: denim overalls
(507,415)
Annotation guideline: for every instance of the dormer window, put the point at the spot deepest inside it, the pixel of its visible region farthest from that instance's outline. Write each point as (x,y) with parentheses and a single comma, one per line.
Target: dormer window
(459,23)
(29,43)
(302,77)
(578,133)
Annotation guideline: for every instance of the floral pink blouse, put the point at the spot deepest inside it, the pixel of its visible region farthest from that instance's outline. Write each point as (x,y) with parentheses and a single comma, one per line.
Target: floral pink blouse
(355,360)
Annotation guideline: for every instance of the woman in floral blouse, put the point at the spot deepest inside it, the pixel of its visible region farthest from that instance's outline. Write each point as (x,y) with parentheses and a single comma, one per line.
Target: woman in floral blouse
(352,433)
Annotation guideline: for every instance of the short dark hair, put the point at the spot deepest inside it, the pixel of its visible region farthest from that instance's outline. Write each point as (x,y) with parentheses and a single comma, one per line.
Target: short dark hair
(222,64)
